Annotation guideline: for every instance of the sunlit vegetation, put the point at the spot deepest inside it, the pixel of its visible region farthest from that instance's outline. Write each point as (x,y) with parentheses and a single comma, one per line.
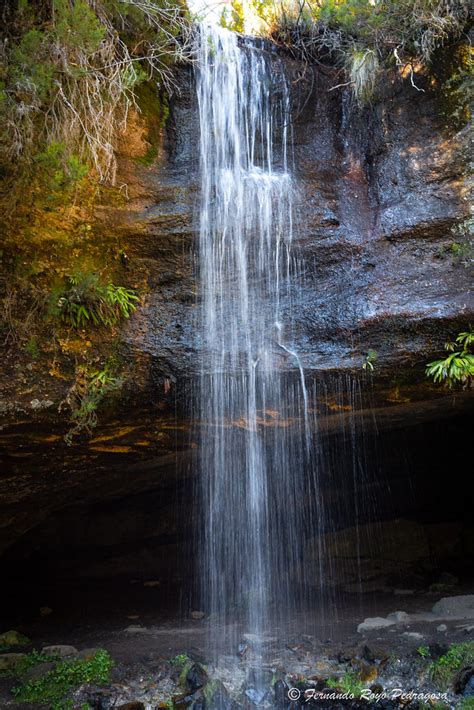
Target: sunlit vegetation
(365,38)
(70,71)
(457,368)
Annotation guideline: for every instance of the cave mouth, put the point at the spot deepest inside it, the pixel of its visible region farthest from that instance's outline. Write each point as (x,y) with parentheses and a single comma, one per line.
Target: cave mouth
(398,521)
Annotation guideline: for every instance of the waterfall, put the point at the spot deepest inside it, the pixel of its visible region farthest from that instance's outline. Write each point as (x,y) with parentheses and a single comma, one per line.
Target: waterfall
(253,415)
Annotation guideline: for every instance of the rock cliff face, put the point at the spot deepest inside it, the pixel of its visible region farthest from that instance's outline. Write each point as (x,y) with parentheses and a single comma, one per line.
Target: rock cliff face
(379,192)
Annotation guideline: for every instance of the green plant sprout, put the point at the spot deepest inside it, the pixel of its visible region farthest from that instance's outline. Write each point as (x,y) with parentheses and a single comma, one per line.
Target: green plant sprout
(370,360)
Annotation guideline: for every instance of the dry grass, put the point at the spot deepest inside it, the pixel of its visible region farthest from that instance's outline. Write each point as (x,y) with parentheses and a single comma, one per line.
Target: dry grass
(93,90)
(363,41)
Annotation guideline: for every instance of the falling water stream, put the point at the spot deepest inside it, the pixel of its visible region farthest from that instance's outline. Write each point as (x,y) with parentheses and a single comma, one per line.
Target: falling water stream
(255,439)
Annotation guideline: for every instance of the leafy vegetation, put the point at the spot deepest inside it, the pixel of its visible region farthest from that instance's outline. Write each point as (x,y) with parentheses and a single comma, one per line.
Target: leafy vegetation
(85,396)
(86,300)
(370,360)
(350,683)
(457,86)
(59,172)
(233,17)
(443,670)
(462,249)
(10,639)
(180,660)
(363,38)
(70,71)
(423,651)
(52,688)
(458,366)
(29,661)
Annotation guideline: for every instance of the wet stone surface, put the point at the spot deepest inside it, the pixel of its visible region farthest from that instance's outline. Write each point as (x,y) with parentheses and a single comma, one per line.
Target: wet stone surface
(167,667)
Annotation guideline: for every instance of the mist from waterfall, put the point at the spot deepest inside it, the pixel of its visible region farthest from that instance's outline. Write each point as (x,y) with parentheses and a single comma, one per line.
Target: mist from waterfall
(255,437)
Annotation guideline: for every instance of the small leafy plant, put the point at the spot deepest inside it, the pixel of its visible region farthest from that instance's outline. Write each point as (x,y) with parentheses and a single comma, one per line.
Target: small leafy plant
(85,396)
(52,688)
(350,683)
(59,172)
(32,659)
(458,366)
(443,670)
(370,360)
(180,660)
(32,347)
(86,300)
(423,651)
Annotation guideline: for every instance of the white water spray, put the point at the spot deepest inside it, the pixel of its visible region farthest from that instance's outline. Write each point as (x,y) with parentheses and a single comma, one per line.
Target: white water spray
(253,401)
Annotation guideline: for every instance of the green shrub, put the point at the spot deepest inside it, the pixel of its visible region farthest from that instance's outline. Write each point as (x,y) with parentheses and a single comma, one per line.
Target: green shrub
(443,670)
(77,25)
(234,18)
(86,300)
(180,660)
(458,366)
(350,683)
(85,396)
(52,688)
(32,347)
(366,37)
(60,170)
(69,70)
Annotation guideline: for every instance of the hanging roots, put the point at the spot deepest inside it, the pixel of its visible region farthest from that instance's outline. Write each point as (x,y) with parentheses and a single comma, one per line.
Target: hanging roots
(363,41)
(363,67)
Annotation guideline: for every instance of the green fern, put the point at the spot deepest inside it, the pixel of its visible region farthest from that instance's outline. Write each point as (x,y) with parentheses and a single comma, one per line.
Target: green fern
(458,366)
(86,300)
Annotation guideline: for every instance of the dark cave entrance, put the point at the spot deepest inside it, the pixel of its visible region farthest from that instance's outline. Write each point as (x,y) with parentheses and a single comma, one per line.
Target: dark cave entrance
(412,521)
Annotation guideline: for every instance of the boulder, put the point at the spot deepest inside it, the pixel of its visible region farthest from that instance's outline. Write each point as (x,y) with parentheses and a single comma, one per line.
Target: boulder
(197,615)
(400,617)
(39,670)
(374,623)
(135,629)
(61,650)
(414,635)
(196,677)
(459,607)
(13,638)
(9,661)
